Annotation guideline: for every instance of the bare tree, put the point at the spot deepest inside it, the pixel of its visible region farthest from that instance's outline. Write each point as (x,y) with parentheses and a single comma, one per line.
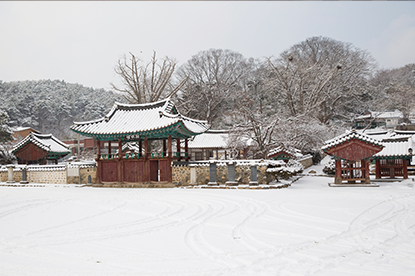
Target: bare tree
(319,76)
(214,75)
(143,83)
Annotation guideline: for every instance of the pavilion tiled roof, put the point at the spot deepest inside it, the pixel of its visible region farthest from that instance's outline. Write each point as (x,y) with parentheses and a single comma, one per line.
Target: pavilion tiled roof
(46,142)
(349,136)
(155,120)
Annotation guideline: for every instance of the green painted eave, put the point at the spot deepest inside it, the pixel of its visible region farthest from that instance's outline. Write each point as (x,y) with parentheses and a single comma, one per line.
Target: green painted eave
(176,131)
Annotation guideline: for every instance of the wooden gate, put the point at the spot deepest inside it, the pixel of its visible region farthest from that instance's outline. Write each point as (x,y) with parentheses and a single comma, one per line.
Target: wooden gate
(109,171)
(133,171)
(165,170)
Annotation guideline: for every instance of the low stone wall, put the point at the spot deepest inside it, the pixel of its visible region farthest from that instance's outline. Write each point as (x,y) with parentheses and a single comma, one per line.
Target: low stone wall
(182,172)
(307,161)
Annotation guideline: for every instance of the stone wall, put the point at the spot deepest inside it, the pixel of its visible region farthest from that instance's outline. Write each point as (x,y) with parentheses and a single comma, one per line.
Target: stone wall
(307,161)
(182,172)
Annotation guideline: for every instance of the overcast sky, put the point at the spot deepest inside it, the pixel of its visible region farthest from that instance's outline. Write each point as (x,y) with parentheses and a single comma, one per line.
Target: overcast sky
(80,42)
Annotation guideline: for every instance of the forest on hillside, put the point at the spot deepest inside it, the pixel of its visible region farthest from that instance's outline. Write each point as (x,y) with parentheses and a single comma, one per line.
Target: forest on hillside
(51,106)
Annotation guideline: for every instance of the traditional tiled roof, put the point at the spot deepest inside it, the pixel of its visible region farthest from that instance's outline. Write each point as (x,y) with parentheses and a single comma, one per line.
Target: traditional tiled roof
(155,120)
(349,136)
(396,150)
(212,139)
(280,149)
(47,142)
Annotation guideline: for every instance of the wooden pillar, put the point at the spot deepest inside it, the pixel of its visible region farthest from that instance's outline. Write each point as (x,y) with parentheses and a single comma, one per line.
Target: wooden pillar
(378,175)
(98,159)
(164,148)
(120,162)
(338,172)
(140,148)
(405,168)
(217,154)
(186,149)
(169,147)
(146,148)
(178,148)
(109,149)
(203,155)
(365,165)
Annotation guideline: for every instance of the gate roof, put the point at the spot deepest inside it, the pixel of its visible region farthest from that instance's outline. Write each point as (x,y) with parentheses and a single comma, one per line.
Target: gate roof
(130,122)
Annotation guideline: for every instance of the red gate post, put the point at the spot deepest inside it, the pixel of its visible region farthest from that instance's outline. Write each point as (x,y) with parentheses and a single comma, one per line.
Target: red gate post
(338,172)
(405,169)
(120,162)
(378,174)
(365,165)
(98,161)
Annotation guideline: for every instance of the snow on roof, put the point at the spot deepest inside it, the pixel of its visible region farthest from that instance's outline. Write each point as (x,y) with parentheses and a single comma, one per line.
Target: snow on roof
(396,149)
(47,142)
(210,139)
(381,115)
(387,135)
(20,128)
(347,137)
(129,119)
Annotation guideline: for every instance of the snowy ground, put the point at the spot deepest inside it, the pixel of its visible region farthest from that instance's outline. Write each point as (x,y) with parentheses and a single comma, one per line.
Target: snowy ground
(306,229)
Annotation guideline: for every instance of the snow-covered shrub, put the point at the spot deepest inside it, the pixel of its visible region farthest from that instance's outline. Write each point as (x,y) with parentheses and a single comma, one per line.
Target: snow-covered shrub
(285,172)
(329,167)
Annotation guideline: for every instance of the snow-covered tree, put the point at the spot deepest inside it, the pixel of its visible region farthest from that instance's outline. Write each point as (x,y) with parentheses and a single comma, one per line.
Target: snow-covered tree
(214,76)
(395,89)
(320,77)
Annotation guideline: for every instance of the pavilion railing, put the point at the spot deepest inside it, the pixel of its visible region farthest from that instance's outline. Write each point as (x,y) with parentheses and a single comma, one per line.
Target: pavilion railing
(155,155)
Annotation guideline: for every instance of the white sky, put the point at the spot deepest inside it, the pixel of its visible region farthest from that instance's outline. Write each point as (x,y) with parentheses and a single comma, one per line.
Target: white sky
(80,42)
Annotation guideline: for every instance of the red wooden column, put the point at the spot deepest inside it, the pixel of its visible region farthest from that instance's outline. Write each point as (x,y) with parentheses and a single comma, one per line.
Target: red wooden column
(146,172)
(140,148)
(338,172)
(98,161)
(164,148)
(169,147)
(109,149)
(146,148)
(178,148)
(378,175)
(405,168)
(120,162)
(186,149)
(365,165)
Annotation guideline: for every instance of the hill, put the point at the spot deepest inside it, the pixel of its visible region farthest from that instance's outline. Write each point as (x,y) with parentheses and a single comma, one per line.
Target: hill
(51,106)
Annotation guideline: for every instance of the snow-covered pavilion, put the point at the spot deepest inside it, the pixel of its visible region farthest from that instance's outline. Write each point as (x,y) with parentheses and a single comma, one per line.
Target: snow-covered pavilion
(140,123)
(352,152)
(39,148)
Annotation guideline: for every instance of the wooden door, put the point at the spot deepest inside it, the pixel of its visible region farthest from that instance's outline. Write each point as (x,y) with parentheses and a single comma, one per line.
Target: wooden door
(165,170)
(154,170)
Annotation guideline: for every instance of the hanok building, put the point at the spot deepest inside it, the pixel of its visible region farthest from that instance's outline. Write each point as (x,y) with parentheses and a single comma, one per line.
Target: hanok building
(352,152)
(140,123)
(209,145)
(281,153)
(40,148)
